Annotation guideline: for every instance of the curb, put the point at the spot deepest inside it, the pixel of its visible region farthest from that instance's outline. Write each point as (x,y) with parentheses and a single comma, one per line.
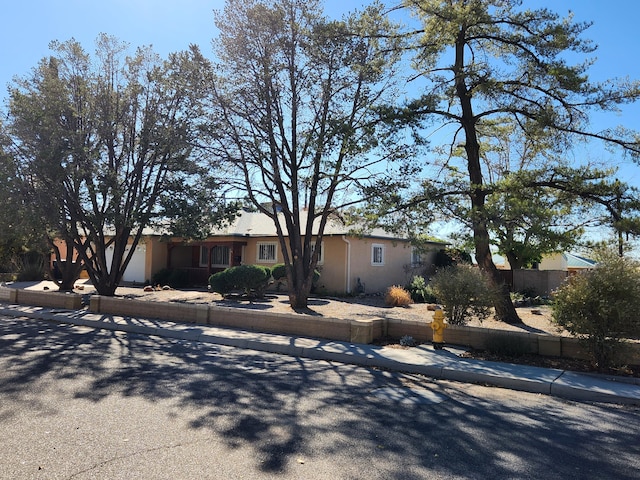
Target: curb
(440,365)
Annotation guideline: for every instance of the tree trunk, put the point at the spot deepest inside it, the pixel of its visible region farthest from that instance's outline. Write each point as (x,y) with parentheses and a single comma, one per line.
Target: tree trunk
(515,263)
(105,287)
(299,289)
(68,269)
(505,311)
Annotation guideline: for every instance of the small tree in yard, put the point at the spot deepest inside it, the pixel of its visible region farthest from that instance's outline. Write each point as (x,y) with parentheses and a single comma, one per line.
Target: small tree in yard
(464,292)
(601,307)
(297,113)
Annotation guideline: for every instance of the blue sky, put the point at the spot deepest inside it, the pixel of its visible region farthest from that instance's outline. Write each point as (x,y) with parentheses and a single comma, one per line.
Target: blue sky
(171,25)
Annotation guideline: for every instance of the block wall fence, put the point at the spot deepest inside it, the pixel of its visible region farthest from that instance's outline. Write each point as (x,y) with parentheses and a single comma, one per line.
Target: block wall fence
(345,330)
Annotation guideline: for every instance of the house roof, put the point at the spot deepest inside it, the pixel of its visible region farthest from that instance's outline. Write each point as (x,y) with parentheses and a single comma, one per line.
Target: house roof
(256,224)
(574,261)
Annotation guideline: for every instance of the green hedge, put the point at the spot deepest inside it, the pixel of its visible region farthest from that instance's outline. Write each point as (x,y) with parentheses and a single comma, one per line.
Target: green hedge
(279,272)
(251,279)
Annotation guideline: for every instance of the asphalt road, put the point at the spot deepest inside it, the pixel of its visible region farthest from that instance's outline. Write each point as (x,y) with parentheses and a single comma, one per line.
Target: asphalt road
(79,403)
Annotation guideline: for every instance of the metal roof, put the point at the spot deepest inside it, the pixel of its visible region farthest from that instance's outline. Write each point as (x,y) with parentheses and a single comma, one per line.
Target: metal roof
(574,261)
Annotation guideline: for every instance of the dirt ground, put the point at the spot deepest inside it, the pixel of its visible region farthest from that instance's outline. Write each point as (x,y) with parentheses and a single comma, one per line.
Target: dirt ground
(535,319)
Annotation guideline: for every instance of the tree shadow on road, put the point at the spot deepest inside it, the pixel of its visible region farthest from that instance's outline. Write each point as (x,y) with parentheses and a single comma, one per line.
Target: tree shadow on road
(292,411)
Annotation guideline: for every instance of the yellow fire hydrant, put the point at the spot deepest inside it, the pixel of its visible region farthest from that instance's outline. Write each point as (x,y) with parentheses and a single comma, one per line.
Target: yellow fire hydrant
(438,326)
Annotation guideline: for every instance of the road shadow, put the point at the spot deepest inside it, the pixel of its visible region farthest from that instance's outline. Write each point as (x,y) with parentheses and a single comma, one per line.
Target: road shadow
(285,408)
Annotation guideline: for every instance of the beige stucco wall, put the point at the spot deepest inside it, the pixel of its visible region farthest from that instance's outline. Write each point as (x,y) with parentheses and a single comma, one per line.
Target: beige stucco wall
(348,258)
(156,258)
(250,252)
(333,269)
(553,262)
(396,269)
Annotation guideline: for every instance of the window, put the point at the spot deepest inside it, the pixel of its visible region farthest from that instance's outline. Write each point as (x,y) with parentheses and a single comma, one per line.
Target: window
(204,256)
(220,256)
(267,252)
(377,254)
(416,257)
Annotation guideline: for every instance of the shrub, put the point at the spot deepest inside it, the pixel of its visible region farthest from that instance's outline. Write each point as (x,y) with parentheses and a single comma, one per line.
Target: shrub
(251,279)
(175,278)
(451,256)
(161,277)
(279,272)
(31,268)
(397,297)
(408,341)
(601,307)
(220,282)
(419,290)
(463,292)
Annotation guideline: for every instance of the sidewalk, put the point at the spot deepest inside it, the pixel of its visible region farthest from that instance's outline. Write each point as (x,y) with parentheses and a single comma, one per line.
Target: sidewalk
(440,364)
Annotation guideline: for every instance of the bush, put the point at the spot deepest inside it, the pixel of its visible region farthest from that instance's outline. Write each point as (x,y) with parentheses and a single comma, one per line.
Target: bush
(397,297)
(279,272)
(408,341)
(463,292)
(451,256)
(175,278)
(601,307)
(251,279)
(221,282)
(420,292)
(31,268)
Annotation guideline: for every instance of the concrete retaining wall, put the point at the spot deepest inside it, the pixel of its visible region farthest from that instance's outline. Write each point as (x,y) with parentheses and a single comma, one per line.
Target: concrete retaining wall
(356,331)
(477,337)
(69,301)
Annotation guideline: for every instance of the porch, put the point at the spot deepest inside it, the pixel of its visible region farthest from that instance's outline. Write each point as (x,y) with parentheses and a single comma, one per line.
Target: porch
(202,259)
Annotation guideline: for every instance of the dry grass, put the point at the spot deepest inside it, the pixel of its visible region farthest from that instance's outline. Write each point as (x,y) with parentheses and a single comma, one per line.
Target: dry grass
(397,296)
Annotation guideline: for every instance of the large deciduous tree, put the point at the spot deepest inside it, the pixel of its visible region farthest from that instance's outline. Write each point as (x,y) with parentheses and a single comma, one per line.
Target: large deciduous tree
(106,146)
(486,59)
(296,112)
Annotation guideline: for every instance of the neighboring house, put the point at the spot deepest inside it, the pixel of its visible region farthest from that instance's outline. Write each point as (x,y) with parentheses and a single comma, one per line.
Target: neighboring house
(566,262)
(348,263)
(547,276)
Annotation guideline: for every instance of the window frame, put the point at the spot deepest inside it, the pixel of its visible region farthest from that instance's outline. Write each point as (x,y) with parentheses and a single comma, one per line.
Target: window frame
(228,255)
(416,257)
(374,248)
(210,256)
(204,250)
(259,250)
